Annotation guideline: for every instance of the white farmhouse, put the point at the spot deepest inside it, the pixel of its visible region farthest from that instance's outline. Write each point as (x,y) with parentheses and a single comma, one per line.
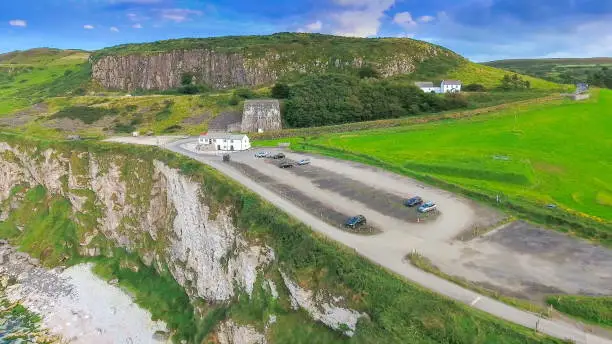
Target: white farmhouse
(447,86)
(427,87)
(224,142)
(450,86)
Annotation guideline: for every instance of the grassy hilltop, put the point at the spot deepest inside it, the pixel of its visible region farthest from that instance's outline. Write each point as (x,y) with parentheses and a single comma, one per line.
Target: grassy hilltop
(29,77)
(50,93)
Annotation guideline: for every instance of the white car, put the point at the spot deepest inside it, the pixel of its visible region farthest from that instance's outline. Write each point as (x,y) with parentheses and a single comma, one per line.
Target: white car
(427,207)
(262,154)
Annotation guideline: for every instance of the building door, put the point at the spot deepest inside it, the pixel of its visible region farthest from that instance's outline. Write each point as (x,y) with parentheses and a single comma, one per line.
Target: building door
(232,147)
(218,147)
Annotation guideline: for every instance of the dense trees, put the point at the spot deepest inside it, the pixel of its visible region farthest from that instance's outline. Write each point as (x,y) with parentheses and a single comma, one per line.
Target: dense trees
(601,78)
(280,91)
(514,82)
(333,99)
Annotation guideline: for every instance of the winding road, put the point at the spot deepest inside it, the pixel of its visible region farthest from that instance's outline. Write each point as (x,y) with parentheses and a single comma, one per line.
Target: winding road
(394,261)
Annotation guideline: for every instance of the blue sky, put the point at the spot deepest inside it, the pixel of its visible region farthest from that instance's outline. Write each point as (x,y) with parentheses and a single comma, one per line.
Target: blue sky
(479,29)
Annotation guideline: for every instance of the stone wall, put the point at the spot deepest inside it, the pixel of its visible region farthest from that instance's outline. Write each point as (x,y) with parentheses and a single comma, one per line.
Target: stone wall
(261,115)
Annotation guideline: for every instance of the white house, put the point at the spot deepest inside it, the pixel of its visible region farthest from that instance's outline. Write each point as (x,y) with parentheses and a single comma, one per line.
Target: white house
(450,86)
(225,142)
(446,86)
(427,87)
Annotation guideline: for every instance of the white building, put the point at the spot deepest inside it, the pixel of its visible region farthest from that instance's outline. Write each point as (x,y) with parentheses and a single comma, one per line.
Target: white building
(447,86)
(450,86)
(427,87)
(225,142)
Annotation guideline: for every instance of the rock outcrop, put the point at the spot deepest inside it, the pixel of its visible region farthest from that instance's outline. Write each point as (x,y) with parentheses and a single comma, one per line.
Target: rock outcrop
(261,115)
(234,62)
(166,218)
(232,333)
(321,307)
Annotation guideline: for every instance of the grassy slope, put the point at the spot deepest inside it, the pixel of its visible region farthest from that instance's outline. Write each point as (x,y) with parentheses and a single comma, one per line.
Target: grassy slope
(37,75)
(31,76)
(594,310)
(554,153)
(472,73)
(399,311)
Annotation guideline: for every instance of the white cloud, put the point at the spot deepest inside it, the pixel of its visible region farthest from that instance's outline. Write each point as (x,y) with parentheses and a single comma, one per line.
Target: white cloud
(359,18)
(404,19)
(114,29)
(88,27)
(137,26)
(179,15)
(312,27)
(426,19)
(132,16)
(507,38)
(18,22)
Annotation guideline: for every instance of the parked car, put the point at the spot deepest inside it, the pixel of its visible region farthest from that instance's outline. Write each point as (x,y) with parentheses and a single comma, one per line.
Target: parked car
(285,164)
(303,162)
(262,154)
(427,207)
(355,221)
(278,156)
(413,202)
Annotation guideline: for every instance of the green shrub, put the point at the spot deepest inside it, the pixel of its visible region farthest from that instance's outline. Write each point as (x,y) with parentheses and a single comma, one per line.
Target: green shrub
(474,88)
(592,309)
(124,128)
(280,91)
(368,72)
(86,114)
(244,93)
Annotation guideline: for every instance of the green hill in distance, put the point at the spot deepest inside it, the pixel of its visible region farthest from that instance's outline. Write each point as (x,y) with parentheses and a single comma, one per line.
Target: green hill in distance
(561,70)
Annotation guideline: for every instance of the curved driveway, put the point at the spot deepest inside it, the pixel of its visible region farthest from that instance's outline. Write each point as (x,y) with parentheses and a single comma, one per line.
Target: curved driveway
(392,259)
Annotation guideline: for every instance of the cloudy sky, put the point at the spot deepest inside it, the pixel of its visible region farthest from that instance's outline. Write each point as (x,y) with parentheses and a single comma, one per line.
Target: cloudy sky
(479,29)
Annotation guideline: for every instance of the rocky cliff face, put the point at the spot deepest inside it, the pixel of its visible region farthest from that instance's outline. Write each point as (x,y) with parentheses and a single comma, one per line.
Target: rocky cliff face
(166,70)
(155,211)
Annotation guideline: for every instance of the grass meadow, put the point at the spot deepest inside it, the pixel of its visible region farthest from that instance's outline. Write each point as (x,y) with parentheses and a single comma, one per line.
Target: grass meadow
(29,77)
(558,153)
(594,310)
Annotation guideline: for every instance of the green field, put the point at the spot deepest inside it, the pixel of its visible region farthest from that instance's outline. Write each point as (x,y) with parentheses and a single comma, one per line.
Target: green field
(594,310)
(556,70)
(27,78)
(548,153)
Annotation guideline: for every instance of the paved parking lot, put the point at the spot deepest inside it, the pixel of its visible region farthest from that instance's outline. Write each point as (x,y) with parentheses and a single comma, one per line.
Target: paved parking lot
(518,259)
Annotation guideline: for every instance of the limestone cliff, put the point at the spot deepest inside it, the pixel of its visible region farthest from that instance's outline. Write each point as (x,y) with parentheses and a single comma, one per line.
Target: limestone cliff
(152,209)
(228,62)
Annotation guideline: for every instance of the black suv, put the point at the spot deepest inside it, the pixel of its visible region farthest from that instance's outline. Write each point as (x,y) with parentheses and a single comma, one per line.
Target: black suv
(413,202)
(278,156)
(355,221)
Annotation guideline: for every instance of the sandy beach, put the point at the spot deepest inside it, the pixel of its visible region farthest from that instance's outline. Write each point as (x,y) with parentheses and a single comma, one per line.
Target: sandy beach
(78,305)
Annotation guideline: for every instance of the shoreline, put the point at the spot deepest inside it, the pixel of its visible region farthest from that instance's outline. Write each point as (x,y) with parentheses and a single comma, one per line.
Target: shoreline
(75,304)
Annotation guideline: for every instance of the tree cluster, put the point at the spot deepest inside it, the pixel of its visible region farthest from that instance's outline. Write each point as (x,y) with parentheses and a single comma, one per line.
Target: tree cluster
(335,99)
(514,82)
(601,78)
